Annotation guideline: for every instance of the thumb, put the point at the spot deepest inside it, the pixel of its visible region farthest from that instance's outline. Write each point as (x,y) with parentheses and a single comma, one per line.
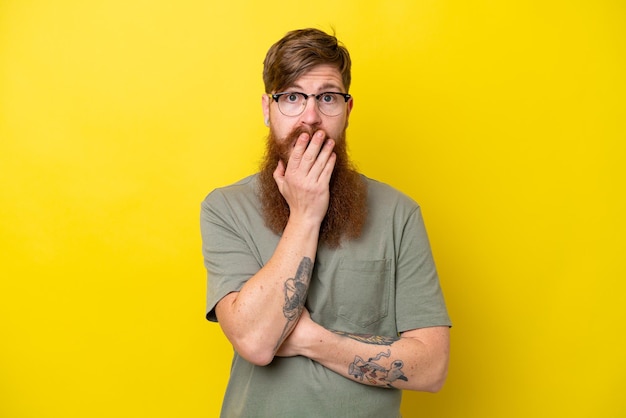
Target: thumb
(279,172)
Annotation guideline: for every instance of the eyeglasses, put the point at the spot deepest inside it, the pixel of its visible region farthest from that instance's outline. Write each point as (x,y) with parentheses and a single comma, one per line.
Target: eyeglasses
(292,103)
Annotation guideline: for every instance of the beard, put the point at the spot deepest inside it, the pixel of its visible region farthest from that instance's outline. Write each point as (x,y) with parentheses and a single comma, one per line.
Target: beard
(347,207)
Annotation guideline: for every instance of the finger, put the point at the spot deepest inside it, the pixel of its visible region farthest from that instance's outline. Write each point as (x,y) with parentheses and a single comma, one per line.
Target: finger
(323,158)
(298,151)
(280,169)
(279,173)
(327,171)
(312,151)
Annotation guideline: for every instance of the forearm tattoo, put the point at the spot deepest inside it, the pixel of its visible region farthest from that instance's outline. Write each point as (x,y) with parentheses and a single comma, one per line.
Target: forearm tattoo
(369,338)
(371,370)
(295,289)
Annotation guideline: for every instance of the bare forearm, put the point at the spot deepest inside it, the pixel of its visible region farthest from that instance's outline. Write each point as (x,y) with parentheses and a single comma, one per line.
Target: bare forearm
(262,314)
(389,362)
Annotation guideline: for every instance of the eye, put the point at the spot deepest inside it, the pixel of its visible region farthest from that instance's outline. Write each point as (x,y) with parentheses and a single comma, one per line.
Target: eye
(328,98)
(291,98)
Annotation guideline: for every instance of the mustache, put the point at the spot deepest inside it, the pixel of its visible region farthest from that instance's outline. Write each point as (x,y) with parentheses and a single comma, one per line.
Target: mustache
(293,136)
(284,145)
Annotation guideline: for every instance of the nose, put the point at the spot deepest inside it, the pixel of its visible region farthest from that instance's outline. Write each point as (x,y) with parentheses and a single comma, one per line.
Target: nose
(311,115)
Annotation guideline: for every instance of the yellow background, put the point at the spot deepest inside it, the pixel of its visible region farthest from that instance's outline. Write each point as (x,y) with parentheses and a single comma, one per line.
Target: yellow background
(505,120)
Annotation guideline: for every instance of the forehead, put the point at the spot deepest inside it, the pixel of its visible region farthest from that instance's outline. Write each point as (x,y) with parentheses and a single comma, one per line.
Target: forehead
(321,77)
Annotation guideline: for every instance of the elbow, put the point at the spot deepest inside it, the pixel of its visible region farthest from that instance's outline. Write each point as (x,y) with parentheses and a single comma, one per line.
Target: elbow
(436,384)
(249,342)
(258,359)
(255,353)
(437,377)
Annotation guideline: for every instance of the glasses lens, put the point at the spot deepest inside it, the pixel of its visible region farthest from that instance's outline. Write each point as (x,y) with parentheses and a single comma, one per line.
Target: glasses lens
(331,104)
(291,104)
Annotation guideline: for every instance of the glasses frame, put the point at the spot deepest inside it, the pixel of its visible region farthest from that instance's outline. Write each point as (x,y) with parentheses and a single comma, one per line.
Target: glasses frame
(277,96)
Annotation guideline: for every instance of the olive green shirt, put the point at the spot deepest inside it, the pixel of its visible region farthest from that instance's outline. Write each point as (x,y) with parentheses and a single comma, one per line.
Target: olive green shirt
(382,283)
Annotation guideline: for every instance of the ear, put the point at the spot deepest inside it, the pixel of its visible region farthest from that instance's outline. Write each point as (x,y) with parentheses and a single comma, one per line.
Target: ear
(265,104)
(350,104)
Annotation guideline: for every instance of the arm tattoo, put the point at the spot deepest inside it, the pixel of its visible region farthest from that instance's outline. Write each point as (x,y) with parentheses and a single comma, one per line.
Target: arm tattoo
(371,370)
(374,373)
(369,338)
(295,295)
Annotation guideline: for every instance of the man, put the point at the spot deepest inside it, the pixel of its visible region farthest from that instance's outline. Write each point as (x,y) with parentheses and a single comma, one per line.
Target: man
(322,279)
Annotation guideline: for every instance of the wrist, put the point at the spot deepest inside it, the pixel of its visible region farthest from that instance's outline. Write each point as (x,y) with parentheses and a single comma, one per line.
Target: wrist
(317,342)
(302,226)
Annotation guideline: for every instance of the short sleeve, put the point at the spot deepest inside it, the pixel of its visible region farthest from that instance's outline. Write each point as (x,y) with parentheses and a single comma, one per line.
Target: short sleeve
(419,298)
(228,258)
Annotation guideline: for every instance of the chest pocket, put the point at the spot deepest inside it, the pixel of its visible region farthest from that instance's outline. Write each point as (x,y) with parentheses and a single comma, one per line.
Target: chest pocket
(361,291)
